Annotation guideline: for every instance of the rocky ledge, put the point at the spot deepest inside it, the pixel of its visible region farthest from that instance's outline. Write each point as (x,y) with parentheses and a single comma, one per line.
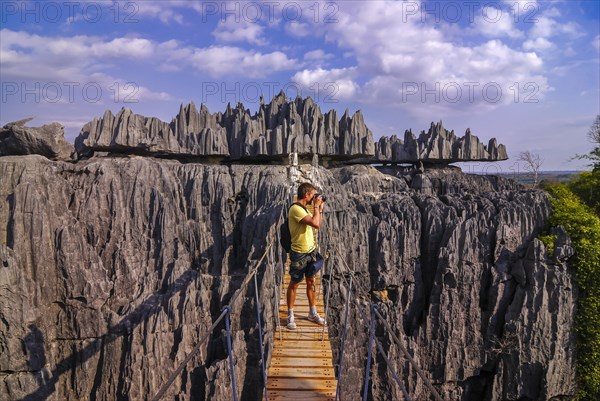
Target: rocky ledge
(47,140)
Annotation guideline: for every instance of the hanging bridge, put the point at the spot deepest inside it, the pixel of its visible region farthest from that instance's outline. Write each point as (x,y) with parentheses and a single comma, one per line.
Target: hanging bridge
(302,365)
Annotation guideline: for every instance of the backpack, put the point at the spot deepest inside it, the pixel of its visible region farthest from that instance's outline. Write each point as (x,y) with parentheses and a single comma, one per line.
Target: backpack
(285,237)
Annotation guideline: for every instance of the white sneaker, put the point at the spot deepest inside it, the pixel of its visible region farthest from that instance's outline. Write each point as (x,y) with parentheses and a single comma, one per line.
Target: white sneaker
(291,323)
(317,319)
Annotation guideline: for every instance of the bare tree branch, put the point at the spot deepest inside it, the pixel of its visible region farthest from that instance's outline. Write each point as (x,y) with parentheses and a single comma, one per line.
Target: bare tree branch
(594,131)
(533,162)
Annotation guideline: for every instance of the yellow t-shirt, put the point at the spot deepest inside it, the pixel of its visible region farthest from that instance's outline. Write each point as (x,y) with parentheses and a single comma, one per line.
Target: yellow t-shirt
(303,240)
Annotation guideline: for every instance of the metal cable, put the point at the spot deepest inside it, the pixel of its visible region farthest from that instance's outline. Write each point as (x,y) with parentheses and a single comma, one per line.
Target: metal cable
(262,348)
(227,309)
(409,357)
(397,341)
(341,365)
(370,352)
(391,368)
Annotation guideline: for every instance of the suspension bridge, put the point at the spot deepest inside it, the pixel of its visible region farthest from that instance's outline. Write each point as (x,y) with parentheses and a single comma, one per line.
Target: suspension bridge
(302,366)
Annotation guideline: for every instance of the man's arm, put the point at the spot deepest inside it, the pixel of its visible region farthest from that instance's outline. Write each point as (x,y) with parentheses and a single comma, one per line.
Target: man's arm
(315,220)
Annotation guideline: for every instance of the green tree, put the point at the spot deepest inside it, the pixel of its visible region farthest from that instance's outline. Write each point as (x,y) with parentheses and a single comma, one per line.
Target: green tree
(587,188)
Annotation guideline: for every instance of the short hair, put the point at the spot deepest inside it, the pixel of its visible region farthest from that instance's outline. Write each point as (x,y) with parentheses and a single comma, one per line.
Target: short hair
(305,188)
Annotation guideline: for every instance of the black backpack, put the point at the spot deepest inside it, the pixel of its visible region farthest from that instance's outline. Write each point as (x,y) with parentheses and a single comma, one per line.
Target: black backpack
(285,237)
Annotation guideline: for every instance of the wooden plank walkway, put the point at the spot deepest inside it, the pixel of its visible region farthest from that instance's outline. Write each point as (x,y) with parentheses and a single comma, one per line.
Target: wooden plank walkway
(301,366)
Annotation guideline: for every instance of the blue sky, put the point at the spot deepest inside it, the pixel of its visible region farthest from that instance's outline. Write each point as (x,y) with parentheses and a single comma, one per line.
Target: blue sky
(525,72)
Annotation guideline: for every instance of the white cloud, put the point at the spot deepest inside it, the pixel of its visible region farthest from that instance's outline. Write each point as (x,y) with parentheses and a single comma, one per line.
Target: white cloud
(548,25)
(424,57)
(336,83)
(495,23)
(220,61)
(596,42)
(317,55)
(539,44)
(242,30)
(26,56)
(298,29)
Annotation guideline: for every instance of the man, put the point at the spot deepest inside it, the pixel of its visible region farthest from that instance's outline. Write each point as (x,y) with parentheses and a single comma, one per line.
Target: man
(301,223)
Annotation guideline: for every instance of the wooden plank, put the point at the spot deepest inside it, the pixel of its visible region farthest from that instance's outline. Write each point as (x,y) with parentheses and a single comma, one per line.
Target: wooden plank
(299,316)
(296,384)
(301,353)
(312,333)
(282,395)
(295,344)
(322,373)
(301,362)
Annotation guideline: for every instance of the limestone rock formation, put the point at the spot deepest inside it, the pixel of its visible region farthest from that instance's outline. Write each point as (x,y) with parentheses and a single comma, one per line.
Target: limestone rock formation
(276,130)
(113,268)
(191,133)
(438,145)
(47,140)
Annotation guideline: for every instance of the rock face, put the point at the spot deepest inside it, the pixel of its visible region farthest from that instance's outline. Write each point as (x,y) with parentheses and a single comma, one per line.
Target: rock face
(47,140)
(113,268)
(278,129)
(438,145)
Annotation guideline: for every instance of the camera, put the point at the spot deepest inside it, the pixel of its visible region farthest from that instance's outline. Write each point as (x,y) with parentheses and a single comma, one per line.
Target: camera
(322,197)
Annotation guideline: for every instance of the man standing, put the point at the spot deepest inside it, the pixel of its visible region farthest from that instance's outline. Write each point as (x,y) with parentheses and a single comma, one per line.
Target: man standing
(301,223)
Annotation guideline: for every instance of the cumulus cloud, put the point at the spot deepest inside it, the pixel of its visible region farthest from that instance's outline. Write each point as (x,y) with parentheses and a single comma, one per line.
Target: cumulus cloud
(334,84)
(495,23)
(298,29)
(220,61)
(538,44)
(28,56)
(548,24)
(423,65)
(317,55)
(242,30)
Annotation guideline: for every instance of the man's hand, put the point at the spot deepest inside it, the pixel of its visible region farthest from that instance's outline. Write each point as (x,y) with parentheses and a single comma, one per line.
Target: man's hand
(319,203)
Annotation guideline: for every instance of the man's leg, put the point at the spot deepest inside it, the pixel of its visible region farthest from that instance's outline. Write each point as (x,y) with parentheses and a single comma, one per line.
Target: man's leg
(291,298)
(291,294)
(311,294)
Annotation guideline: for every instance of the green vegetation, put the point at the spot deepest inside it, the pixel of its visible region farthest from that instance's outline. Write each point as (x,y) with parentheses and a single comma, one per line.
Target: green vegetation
(583,226)
(587,188)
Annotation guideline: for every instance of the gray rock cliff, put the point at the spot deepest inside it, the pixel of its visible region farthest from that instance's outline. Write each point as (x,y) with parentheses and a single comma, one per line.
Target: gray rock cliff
(113,268)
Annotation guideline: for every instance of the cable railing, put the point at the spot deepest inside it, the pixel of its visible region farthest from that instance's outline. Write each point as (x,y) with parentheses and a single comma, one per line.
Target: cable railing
(375,315)
(225,314)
